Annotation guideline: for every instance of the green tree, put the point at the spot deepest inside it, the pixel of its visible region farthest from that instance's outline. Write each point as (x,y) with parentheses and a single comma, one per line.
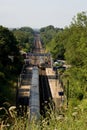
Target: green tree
(76,54)
(48,33)
(25,38)
(8,46)
(10,63)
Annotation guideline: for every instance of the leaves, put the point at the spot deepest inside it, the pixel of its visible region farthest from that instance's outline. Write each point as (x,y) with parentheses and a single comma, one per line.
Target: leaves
(25,38)
(70,44)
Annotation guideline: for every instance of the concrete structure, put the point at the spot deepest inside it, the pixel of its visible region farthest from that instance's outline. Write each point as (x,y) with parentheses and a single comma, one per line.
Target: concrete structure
(55,87)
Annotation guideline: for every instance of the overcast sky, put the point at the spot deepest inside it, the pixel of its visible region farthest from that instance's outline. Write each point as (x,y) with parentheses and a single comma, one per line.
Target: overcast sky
(39,13)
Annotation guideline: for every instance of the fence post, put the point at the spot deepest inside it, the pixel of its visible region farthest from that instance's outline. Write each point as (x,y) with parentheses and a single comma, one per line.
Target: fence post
(67,92)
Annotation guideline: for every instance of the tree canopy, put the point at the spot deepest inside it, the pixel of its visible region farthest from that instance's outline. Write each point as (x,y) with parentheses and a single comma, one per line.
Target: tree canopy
(10,61)
(70,44)
(48,33)
(25,38)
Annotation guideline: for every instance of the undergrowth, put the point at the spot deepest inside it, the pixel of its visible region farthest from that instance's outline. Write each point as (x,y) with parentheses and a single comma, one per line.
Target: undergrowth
(71,118)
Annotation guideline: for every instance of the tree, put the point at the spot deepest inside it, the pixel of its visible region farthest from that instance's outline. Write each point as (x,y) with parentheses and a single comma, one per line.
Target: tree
(9,52)
(10,64)
(76,54)
(25,38)
(48,33)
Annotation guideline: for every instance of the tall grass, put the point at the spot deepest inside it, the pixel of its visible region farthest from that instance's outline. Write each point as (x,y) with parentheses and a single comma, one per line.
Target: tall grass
(71,118)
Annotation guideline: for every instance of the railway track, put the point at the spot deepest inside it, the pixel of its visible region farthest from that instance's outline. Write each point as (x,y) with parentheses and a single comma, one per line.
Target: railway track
(24,91)
(45,93)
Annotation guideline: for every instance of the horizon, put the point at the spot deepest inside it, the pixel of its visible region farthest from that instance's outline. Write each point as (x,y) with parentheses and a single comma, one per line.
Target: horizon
(39,14)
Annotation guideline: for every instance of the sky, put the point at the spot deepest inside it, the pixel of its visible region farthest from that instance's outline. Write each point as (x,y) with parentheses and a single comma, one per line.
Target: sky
(39,13)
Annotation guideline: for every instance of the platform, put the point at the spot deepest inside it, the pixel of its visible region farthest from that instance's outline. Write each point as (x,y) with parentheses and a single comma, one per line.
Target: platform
(55,87)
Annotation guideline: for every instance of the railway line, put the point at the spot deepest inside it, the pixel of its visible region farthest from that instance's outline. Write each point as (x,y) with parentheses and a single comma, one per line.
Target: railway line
(23,90)
(33,92)
(45,93)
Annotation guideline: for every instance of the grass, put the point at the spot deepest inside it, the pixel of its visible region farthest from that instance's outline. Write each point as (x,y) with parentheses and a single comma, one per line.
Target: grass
(71,118)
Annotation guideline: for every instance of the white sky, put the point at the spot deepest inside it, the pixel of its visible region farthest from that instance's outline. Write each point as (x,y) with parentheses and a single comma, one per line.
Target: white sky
(39,13)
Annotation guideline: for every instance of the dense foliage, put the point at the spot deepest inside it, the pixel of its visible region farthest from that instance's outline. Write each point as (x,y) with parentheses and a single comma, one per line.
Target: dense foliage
(25,38)
(71,44)
(10,61)
(76,55)
(48,33)
(73,118)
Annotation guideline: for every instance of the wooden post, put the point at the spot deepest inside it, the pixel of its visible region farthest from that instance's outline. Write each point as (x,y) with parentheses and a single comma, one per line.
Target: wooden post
(67,92)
